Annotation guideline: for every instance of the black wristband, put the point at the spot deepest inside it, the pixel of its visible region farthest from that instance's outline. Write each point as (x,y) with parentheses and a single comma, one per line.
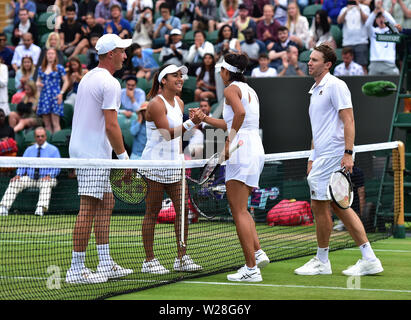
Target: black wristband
(347,151)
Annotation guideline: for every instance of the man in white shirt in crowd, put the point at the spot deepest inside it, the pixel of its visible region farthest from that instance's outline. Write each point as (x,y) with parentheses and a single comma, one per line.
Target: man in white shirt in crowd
(353,18)
(382,54)
(348,67)
(263,70)
(28,48)
(291,66)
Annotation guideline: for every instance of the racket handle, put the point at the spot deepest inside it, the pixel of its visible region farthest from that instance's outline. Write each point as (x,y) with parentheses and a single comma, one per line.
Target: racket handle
(238,145)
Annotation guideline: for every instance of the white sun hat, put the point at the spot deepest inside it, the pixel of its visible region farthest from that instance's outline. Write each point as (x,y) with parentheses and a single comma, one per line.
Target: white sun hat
(110,41)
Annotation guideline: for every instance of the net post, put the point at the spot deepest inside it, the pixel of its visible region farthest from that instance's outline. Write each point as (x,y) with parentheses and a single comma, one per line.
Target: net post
(398,166)
(183,192)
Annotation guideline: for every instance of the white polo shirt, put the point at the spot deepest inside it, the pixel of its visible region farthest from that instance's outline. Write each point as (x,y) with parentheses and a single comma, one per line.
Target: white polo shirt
(327,98)
(98,90)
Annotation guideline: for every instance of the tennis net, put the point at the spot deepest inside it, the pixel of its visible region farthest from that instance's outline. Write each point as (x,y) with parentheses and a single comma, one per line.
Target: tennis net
(36,250)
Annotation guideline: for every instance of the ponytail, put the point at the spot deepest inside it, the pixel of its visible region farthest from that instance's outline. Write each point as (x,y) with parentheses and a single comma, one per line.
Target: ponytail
(155,87)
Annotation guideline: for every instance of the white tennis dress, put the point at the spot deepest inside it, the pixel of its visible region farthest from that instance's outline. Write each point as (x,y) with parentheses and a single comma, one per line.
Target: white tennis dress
(158,148)
(247,162)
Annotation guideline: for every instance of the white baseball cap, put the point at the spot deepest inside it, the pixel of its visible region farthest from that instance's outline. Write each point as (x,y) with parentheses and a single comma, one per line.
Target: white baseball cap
(175,31)
(172,68)
(110,41)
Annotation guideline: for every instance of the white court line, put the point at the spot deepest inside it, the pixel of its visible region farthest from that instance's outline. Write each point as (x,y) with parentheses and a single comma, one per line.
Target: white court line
(293,286)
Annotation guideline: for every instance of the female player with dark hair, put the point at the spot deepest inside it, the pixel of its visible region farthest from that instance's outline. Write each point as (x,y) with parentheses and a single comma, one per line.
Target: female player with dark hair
(165,127)
(244,166)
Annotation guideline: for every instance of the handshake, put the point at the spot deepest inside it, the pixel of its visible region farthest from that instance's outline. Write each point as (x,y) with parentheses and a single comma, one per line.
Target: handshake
(196,115)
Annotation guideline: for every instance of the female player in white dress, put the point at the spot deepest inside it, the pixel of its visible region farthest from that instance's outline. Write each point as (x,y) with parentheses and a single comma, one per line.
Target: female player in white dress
(165,127)
(244,166)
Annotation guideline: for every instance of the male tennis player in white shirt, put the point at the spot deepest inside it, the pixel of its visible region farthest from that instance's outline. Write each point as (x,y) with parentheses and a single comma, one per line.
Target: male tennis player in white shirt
(95,134)
(333,130)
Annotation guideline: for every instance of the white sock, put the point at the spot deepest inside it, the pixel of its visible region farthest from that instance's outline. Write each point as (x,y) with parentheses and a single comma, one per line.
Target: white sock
(251,269)
(104,254)
(259,251)
(77,260)
(322,254)
(367,252)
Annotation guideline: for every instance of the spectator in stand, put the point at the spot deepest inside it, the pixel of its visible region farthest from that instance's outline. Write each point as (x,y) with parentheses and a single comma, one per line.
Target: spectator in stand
(84,8)
(5,52)
(226,43)
(118,25)
(382,54)
(333,8)
(60,8)
(253,48)
(320,31)
(51,75)
(23,26)
(256,8)
(43,178)
(144,61)
(280,9)
(131,97)
(185,12)
(144,29)
(92,56)
(53,41)
(28,48)
(263,70)
(90,27)
(205,17)
(267,28)
(25,116)
(291,66)
(102,12)
(348,67)
(4,93)
(400,11)
(206,85)
(353,18)
(138,131)
(297,25)
(136,8)
(75,73)
(278,52)
(14,12)
(24,74)
(70,32)
(242,22)
(228,12)
(164,25)
(8,146)
(197,51)
(175,50)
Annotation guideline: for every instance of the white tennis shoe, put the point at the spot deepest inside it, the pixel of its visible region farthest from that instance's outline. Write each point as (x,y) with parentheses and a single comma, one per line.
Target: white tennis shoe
(113,271)
(261,259)
(186,264)
(39,211)
(154,267)
(245,275)
(85,276)
(364,267)
(314,267)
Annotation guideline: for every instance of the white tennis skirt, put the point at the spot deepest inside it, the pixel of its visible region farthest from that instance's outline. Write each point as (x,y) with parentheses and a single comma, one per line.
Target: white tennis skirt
(93,182)
(320,174)
(247,162)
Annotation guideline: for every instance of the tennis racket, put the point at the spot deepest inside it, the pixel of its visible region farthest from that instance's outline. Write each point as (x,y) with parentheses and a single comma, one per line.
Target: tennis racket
(128,185)
(340,188)
(213,164)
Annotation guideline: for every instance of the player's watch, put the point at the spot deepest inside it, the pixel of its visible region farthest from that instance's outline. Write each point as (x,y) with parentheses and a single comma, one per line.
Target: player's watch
(348,151)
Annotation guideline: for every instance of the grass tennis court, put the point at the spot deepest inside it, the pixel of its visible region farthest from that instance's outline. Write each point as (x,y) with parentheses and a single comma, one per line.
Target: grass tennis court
(281,283)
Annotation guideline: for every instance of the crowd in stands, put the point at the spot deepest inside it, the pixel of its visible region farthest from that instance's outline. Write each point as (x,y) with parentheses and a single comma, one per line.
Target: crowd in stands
(50,45)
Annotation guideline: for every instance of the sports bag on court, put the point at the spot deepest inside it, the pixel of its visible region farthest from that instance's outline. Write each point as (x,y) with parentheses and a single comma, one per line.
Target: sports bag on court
(290,213)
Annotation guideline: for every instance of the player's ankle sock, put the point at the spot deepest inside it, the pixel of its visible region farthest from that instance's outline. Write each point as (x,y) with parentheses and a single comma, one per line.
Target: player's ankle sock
(367,252)
(259,251)
(104,254)
(251,269)
(77,260)
(322,254)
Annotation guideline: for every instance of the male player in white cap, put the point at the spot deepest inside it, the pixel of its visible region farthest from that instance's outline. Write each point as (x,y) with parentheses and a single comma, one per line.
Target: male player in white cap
(95,134)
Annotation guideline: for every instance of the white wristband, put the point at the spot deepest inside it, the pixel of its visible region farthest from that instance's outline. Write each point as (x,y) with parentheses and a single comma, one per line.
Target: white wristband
(188,124)
(123,156)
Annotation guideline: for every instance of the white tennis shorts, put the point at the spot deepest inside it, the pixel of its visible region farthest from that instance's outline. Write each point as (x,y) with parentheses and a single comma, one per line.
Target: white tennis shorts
(320,174)
(93,182)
